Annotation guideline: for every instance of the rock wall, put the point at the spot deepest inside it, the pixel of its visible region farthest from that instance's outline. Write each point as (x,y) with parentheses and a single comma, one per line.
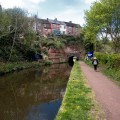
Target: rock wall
(62,55)
(57,56)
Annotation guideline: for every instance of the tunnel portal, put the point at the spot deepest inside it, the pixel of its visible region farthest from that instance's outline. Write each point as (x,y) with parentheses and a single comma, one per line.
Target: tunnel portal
(71,55)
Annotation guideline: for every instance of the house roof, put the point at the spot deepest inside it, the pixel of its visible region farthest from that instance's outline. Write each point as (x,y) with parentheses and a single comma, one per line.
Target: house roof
(54,21)
(62,23)
(48,21)
(72,24)
(44,21)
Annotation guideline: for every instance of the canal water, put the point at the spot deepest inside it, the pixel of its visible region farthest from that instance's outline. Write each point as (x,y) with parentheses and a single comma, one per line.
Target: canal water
(33,94)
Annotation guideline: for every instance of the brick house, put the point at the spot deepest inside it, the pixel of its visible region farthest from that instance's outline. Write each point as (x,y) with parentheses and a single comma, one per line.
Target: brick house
(55,26)
(40,26)
(72,28)
(49,26)
(62,28)
(69,29)
(76,30)
(46,26)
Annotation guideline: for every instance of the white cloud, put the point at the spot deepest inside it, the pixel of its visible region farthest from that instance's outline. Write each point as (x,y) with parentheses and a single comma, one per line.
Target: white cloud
(31,6)
(89,1)
(37,1)
(69,15)
(20,3)
(11,3)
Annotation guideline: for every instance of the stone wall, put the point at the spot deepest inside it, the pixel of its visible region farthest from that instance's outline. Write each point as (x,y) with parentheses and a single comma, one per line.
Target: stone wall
(57,56)
(62,55)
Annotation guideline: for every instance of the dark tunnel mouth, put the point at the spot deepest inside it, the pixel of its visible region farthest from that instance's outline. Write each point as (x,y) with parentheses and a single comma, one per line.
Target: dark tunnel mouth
(71,59)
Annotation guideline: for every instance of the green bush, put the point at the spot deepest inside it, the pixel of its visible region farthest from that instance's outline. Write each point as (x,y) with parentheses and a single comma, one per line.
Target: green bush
(117,62)
(110,61)
(102,58)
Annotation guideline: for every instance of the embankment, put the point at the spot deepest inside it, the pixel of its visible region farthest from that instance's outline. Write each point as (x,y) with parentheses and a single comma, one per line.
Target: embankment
(79,102)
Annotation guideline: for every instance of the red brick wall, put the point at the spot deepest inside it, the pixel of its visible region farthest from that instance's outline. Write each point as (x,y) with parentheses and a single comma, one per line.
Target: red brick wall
(76,31)
(46,25)
(49,31)
(55,27)
(69,30)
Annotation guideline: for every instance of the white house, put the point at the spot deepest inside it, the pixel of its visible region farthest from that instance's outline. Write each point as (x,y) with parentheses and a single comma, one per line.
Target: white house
(62,27)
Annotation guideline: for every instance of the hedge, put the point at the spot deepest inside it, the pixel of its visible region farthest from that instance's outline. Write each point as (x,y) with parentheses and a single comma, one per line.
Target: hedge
(110,60)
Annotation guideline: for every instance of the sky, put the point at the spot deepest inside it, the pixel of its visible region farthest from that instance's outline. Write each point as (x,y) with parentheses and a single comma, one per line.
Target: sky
(63,10)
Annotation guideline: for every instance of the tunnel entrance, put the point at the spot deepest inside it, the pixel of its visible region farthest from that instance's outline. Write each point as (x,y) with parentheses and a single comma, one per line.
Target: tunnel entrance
(71,59)
(71,56)
(71,62)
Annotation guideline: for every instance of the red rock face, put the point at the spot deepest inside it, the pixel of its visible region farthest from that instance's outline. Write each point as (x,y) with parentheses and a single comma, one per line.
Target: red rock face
(62,55)
(57,56)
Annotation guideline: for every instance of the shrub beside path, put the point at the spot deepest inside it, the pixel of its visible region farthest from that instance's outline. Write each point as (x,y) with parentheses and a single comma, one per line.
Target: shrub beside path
(107,93)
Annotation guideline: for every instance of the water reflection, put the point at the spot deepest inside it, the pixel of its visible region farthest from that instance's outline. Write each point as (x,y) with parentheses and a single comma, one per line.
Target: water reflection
(34,94)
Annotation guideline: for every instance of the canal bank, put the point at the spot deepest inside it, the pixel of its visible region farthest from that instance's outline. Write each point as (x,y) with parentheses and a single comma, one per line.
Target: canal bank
(79,101)
(11,67)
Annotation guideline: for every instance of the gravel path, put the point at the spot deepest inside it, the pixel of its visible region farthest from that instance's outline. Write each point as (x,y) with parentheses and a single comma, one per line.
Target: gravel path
(107,93)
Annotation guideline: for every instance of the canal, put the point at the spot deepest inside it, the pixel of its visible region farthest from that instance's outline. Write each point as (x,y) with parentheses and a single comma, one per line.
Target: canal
(33,94)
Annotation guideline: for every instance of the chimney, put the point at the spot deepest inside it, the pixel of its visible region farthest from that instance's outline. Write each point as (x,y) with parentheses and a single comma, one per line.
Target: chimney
(55,19)
(70,21)
(47,18)
(35,16)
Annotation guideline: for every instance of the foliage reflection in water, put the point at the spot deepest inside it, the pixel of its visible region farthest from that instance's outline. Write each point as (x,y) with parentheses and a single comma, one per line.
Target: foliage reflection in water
(33,94)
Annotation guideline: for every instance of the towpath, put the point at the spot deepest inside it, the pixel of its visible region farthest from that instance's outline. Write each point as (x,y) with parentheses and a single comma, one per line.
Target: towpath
(107,93)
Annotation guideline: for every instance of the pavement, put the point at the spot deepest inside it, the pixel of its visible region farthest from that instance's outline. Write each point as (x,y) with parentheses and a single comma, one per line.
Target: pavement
(107,92)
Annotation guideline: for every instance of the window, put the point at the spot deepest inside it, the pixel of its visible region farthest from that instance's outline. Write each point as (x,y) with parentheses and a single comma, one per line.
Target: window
(34,27)
(70,28)
(53,25)
(63,32)
(64,27)
(76,29)
(70,32)
(46,30)
(56,32)
(39,24)
(44,25)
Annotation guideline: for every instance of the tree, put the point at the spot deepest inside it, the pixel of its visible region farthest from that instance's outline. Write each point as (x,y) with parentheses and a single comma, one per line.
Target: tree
(104,19)
(87,40)
(0,12)
(18,25)
(53,42)
(16,35)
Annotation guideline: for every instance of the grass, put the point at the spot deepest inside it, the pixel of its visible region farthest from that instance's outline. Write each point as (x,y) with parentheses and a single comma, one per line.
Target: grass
(78,102)
(113,74)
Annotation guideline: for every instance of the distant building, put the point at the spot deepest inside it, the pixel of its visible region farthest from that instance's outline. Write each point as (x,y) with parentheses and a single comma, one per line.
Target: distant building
(72,28)
(55,26)
(62,28)
(46,26)
(41,26)
(49,26)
